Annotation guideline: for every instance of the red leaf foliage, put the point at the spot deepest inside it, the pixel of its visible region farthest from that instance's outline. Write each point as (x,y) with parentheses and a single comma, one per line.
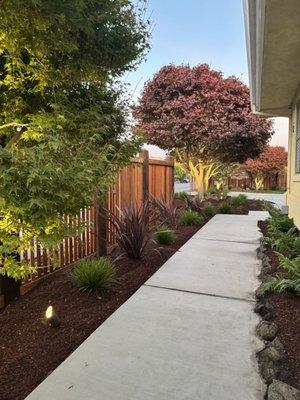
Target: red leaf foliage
(183,108)
(272,160)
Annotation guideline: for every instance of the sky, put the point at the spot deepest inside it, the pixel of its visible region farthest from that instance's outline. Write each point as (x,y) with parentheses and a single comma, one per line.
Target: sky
(195,32)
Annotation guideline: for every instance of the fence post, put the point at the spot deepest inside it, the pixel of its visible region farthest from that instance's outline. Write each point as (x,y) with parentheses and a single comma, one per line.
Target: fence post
(102,229)
(172,160)
(145,156)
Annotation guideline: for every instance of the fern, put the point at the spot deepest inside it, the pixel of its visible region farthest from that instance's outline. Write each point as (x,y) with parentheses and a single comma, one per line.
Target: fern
(290,280)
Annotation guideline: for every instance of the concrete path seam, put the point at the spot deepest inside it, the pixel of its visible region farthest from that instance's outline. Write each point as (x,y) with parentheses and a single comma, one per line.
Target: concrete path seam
(201,293)
(222,240)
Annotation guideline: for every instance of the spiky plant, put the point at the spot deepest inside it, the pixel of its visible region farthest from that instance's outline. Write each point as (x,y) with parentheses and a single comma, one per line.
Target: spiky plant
(238,200)
(208,210)
(94,275)
(133,228)
(195,204)
(167,211)
(224,208)
(189,217)
(181,195)
(289,280)
(164,235)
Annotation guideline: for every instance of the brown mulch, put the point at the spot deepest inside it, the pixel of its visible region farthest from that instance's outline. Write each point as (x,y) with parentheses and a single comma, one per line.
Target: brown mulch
(286,315)
(30,350)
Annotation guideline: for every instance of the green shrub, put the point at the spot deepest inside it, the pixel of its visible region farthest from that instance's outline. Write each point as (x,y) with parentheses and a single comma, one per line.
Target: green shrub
(238,200)
(208,210)
(94,275)
(189,217)
(224,209)
(164,235)
(289,280)
(181,195)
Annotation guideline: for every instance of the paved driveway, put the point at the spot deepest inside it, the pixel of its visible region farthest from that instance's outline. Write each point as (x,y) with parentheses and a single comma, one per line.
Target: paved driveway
(276,198)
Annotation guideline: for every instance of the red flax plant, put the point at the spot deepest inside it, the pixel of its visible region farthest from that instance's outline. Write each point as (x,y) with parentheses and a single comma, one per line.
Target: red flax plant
(134,227)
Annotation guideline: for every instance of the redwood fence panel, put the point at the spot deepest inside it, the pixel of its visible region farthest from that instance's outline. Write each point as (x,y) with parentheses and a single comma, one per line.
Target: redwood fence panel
(133,184)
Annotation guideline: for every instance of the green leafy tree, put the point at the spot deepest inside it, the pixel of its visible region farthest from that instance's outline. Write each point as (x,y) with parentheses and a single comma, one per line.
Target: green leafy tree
(62,116)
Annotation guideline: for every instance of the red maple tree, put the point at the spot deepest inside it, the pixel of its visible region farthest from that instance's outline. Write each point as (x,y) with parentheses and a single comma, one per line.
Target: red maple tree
(271,161)
(184,109)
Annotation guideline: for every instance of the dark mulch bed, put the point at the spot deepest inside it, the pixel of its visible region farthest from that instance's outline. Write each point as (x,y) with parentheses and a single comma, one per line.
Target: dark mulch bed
(287,317)
(30,350)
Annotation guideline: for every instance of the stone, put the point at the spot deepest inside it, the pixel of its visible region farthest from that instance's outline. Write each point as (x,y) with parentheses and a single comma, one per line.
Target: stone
(270,359)
(260,292)
(267,330)
(281,391)
(263,309)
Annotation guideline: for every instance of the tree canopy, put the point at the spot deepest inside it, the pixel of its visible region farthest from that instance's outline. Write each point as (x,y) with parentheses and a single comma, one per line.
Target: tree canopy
(62,117)
(184,109)
(271,161)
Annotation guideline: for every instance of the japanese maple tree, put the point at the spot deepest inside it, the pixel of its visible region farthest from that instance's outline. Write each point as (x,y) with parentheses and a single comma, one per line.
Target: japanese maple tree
(199,116)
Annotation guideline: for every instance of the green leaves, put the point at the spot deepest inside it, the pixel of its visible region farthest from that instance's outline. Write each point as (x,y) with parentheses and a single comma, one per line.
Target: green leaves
(63,121)
(290,280)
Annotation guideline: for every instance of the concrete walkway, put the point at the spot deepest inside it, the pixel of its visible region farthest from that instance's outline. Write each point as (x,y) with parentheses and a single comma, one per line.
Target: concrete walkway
(187,334)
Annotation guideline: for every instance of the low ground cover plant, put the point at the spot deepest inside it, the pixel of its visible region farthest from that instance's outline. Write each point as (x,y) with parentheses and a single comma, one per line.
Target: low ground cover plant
(225,208)
(164,235)
(94,275)
(238,200)
(189,217)
(289,280)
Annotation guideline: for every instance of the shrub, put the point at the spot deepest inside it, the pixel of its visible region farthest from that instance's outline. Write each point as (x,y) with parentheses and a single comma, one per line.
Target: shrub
(290,280)
(132,230)
(224,209)
(189,217)
(238,200)
(208,210)
(181,195)
(195,204)
(166,210)
(94,275)
(164,235)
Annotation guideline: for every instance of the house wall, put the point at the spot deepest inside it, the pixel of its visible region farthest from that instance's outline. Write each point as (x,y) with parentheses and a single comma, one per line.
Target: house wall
(293,184)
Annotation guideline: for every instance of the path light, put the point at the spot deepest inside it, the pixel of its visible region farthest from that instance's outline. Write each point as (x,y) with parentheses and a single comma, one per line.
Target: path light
(52,317)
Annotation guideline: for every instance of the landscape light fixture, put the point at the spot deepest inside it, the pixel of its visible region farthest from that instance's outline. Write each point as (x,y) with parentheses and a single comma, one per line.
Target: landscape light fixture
(51,317)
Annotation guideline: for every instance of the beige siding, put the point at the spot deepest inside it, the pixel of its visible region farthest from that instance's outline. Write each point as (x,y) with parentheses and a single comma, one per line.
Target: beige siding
(293,187)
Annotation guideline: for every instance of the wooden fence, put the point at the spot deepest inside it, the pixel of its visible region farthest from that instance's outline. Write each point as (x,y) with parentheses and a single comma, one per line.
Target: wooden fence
(133,184)
(270,183)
